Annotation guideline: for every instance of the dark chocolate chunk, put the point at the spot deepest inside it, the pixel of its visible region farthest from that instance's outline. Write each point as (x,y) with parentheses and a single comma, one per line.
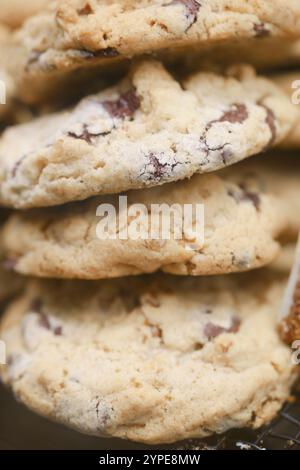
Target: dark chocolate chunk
(43,319)
(245,195)
(260,30)
(212,330)
(57,331)
(125,106)
(270,120)
(192,7)
(236,114)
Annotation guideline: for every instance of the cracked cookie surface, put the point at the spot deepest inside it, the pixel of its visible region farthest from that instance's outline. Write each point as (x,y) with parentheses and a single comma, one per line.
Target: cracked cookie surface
(148,130)
(241,226)
(201,356)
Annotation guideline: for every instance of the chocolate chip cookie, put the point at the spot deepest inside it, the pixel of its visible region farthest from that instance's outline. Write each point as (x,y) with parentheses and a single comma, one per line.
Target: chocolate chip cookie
(148,130)
(154,359)
(82,34)
(241,228)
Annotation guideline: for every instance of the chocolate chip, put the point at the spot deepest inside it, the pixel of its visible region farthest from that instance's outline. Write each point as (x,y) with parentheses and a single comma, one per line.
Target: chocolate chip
(44,321)
(211,330)
(109,52)
(58,331)
(236,114)
(245,195)
(270,120)
(251,196)
(87,135)
(86,10)
(260,30)
(192,8)
(125,106)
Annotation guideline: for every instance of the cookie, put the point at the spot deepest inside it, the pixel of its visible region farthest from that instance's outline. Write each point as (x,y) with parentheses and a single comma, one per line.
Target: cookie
(290,83)
(81,34)
(148,130)
(153,359)
(241,228)
(275,173)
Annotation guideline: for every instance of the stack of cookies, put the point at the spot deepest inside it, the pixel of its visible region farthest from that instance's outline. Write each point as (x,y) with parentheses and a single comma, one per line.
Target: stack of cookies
(153,339)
